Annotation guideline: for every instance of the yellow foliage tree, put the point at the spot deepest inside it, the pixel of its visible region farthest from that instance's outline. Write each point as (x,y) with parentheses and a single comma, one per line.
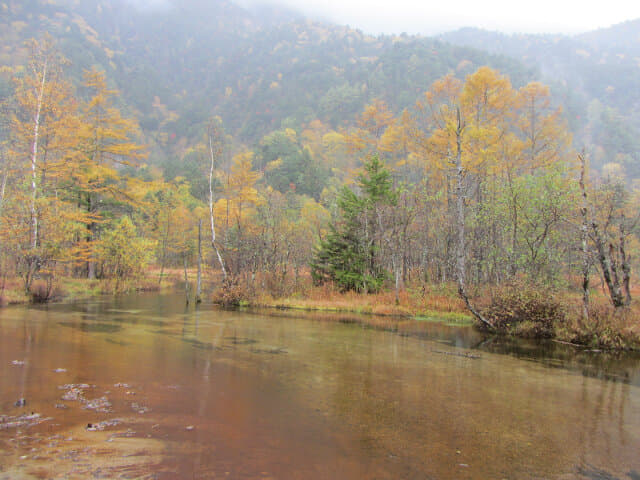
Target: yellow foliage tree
(107,140)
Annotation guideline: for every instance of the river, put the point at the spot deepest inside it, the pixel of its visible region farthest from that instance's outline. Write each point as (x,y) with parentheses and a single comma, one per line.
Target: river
(142,387)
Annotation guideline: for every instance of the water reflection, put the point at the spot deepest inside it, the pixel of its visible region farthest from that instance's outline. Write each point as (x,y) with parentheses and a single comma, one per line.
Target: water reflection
(239,395)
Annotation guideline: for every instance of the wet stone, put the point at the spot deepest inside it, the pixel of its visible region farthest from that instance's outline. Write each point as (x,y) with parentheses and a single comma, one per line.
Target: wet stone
(21,421)
(101,404)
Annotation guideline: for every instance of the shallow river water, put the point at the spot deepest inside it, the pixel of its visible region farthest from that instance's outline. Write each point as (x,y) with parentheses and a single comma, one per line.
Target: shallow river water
(140,387)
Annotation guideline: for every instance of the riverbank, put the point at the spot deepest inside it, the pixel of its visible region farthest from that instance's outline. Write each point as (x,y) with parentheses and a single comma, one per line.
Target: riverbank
(436,303)
(12,291)
(517,311)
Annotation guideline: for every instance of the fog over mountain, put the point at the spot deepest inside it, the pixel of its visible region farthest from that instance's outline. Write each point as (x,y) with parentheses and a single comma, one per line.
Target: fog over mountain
(260,66)
(430,18)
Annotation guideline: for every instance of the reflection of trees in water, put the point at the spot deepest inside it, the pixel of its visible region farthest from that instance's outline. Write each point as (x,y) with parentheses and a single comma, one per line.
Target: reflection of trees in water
(611,366)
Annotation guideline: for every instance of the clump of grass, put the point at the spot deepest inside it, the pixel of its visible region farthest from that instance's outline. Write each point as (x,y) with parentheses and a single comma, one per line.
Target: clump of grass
(77,288)
(450,318)
(605,328)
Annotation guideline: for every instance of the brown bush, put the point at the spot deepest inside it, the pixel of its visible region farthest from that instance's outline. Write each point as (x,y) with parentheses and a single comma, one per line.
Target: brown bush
(526,311)
(606,328)
(232,293)
(42,291)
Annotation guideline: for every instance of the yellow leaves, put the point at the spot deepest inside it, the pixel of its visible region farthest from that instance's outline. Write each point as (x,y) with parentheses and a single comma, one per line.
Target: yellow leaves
(542,131)
(240,195)
(242,179)
(333,142)
(315,217)
(487,96)
(291,134)
(273,165)
(107,134)
(375,118)
(488,125)
(392,138)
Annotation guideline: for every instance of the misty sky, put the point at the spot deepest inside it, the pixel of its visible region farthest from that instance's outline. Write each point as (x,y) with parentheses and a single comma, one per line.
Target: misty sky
(432,17)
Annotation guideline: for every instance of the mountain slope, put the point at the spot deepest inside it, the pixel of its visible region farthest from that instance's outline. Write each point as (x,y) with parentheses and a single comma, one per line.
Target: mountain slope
(179,66)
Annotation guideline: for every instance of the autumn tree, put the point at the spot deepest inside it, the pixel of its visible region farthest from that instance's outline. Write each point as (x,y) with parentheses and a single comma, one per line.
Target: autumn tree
(43,130)
(234,211)
(107,140)
(611,216)
(123,253)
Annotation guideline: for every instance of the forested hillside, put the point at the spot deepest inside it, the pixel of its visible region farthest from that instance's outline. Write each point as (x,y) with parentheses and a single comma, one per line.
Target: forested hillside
(597,76)
(181,66)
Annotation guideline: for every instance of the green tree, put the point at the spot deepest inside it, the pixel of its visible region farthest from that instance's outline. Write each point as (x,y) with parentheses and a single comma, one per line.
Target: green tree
(124,254)
(350,255)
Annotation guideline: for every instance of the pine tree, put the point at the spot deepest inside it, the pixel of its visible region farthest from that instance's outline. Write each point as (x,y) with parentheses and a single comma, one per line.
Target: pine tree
(349,256)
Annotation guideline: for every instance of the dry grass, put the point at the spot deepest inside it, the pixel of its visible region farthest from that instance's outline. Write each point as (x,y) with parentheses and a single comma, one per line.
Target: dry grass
(12,292)
(427,303)
(605,328)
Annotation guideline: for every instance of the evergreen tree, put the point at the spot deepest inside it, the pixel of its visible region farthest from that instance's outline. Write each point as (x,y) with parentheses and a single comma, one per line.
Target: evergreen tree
(349,254)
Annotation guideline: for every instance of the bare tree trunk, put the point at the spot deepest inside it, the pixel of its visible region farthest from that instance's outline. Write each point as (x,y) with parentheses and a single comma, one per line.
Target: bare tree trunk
(199,283)
(212,152)
(3,190)
(398,274)
(584,235)
(460,250)
(163,260)
(626,267)
(186,278)
(34,159)
(608,268)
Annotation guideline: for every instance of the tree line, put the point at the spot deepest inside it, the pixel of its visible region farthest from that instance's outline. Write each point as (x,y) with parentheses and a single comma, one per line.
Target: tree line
(478,184)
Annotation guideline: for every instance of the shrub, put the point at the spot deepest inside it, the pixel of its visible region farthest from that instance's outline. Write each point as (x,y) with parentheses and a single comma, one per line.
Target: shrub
(231,293)
(42,291)
(525,310)
(606,328)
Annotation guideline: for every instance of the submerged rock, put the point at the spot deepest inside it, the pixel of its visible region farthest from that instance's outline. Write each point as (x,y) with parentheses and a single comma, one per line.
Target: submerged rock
(21,421)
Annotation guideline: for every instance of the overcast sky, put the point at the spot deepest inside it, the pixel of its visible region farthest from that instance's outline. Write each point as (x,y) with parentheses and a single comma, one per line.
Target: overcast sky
(432,17)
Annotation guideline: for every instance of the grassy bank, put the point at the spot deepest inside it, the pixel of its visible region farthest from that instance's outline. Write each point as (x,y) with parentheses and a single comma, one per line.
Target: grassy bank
(518,310)
(12,291)
(437,304)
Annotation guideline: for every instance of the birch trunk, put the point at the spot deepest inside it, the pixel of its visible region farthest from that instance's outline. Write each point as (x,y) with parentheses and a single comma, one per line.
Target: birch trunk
(608,269)
(584,236)
(186,278)
(3,190)
(34,158)
(460,247)
(626,267)
(213,227)
(199,281)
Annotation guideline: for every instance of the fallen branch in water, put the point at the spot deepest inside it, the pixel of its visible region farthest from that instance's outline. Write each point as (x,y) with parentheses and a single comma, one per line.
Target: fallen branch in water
(456,354)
